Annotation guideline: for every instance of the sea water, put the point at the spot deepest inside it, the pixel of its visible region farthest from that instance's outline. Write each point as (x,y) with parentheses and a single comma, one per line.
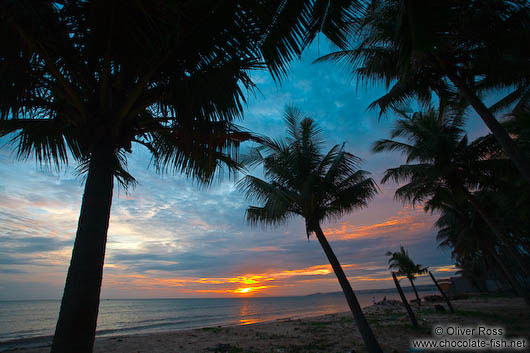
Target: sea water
(31,323)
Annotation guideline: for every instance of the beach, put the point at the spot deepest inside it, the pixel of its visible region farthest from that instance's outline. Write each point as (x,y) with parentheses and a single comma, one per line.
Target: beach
(328,333)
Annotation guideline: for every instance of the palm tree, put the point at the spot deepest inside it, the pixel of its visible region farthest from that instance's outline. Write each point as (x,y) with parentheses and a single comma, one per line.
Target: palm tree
(401,261)
(418,48)
(87,79)
(448,168)
(412,317)
(305,182)
(463,230)
(475,270)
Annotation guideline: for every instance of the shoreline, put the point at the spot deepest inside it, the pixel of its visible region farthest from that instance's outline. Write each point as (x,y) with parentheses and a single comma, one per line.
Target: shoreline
(324,333)
(46,340)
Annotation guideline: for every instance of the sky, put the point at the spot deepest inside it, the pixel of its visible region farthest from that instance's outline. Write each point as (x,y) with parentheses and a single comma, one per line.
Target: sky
(169,238)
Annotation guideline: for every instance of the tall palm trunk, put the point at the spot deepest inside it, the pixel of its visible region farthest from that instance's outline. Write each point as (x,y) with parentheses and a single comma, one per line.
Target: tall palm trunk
(475,282)
(506,243)
(509,276)
(502,137)
(366,332)
(415,291)
(76,327)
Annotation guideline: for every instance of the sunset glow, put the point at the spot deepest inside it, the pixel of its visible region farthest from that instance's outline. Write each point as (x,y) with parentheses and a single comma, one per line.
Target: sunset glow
(168,238)
(450,268)
(251,279)
(250,289)
(409,219)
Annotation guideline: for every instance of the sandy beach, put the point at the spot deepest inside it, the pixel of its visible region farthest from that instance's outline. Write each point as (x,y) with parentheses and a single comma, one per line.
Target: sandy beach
(328,333)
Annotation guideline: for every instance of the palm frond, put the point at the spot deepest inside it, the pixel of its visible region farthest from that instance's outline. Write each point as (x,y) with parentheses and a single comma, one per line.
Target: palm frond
(291,25)
(304,181)
(198,149)
(390,145)
(353,197)
(404,265)
(42,139)
(266,216)
(508,100)
(277,202)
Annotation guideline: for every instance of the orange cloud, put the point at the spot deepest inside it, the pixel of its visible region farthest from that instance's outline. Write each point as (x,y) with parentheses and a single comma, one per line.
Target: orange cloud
(264,248)
(250,289)
(251,283)
(250,279)
(370,279)
(308,271)
(450,268)
(410,220)
(318,270)
(258,280)
(241,290)
(248,283)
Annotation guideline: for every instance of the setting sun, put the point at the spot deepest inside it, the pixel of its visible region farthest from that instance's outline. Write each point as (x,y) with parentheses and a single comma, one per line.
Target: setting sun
(249,289)
(243,290)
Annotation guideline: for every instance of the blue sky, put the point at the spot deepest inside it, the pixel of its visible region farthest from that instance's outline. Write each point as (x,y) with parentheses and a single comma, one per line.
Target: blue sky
(169,238)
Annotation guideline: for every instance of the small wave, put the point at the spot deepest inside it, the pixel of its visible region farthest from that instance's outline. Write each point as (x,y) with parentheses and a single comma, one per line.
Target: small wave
(179,325)
(33,342)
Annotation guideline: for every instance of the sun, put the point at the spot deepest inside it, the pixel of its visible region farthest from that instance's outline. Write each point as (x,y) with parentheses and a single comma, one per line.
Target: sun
(243,290)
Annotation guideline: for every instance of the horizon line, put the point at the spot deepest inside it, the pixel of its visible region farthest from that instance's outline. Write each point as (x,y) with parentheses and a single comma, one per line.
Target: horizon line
(237,297)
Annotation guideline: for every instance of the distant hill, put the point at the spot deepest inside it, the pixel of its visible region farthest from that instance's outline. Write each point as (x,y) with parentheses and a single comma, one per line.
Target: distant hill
(420,288)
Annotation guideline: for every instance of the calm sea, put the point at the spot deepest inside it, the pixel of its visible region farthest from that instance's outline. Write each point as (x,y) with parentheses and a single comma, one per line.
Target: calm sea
(31,323)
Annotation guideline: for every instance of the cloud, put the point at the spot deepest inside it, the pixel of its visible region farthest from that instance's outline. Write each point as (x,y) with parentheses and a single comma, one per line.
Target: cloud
(269,282)
(30,245)
(170,238)
(408,220)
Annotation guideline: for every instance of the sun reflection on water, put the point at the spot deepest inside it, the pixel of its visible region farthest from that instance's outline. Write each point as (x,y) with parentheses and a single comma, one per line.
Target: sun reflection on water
(244,311)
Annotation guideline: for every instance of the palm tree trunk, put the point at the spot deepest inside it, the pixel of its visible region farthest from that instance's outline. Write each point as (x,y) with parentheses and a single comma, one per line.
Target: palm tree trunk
(76,327)
(502,137)
(442,293)
(405,302)
(498,284)
(366,332)
(507,244)
(510,277)
(415,291)
(474,282)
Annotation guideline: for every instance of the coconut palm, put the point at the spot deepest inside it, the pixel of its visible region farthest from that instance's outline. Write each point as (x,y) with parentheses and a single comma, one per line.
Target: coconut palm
(87,79)
(303,181)
(447,168)
(401,261)
(418,48)
(461,229)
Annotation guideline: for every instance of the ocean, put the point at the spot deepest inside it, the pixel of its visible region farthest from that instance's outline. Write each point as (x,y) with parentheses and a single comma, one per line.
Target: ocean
(31,323)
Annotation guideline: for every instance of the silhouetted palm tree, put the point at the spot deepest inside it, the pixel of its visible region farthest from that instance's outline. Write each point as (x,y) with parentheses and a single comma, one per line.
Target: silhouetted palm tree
(87,79)
(305,182)
(445,47)
(462,229)
(448,168)
(401,261)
